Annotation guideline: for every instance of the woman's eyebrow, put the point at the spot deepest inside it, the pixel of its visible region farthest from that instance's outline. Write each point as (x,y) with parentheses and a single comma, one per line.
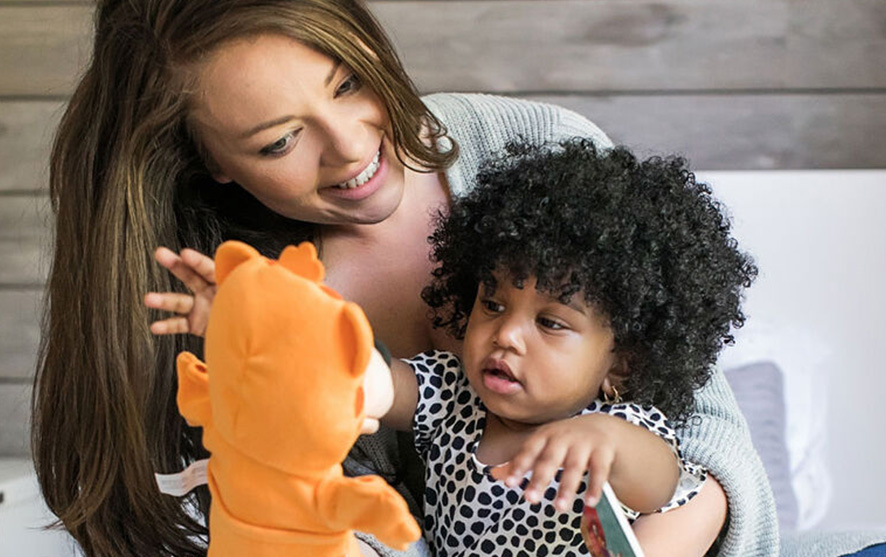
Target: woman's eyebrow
(332,73)
(283,119)
(266,125)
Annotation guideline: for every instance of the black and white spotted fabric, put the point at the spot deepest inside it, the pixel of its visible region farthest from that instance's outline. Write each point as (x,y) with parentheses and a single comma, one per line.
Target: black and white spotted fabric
(467,511)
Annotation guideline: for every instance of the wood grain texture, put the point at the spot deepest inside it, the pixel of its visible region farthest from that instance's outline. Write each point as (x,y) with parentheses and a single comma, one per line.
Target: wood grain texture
(26,131)
(639,45)
(15,401)
(43,48)
(741,132)
(555,45)
(24,239)
(19,333)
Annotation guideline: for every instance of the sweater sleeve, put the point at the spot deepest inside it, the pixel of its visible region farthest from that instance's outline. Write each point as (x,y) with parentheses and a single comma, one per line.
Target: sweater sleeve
(718,438)
(482,125)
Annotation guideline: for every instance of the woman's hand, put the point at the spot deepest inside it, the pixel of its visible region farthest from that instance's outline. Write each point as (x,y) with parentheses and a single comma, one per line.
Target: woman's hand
(197,272)
(641,467)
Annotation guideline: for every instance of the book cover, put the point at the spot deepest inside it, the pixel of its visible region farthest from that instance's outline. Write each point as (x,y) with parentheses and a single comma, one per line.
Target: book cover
(606,530)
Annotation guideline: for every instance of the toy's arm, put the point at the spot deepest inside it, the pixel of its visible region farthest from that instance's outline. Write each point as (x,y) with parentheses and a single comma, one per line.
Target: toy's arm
(368,504)
(193,390)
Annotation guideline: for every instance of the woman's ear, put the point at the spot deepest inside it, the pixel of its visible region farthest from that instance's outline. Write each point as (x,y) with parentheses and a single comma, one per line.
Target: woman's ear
(215,170)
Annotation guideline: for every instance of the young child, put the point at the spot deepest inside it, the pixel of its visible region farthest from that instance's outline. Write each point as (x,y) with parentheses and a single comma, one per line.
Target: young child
(593,292)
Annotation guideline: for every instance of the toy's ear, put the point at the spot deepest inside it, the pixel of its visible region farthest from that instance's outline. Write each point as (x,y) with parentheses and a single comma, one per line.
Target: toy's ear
(229,255)
(355,336)
(302,260)
(193,390)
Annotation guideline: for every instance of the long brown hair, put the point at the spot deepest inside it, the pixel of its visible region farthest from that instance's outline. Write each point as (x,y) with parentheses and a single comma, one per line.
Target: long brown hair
(126,177)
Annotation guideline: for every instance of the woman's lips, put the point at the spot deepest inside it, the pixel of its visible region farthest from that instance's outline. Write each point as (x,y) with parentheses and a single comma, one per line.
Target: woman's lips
(372,180)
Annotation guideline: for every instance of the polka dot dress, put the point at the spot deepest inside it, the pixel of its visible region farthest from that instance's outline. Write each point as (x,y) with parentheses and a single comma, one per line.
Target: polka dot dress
(470,513)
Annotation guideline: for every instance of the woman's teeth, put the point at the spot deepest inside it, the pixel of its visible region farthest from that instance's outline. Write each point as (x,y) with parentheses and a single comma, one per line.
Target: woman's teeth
(363,177)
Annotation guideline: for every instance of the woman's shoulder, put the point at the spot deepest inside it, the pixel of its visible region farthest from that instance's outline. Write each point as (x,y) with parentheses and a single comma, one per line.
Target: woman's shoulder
(480,116)
(482,125)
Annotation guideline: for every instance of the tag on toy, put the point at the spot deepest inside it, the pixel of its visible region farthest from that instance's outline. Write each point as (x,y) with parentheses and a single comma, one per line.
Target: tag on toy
(183,482)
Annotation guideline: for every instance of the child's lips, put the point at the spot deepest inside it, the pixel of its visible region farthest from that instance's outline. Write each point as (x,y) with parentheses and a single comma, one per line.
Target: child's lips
(498,377)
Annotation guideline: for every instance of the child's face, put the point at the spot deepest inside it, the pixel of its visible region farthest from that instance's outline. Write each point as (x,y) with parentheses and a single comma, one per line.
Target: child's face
(533,359)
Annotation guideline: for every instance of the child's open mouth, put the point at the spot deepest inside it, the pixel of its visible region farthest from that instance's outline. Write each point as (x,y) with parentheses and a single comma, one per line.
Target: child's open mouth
(498,378)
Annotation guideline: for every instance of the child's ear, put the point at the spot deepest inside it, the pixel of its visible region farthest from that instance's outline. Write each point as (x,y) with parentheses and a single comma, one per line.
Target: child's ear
(614,382)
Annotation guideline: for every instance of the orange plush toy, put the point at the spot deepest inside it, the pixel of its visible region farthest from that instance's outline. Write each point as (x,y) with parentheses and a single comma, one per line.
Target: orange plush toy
(282,397)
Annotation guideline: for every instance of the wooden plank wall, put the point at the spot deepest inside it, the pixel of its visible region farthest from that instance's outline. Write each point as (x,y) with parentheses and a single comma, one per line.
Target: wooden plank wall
(733,84)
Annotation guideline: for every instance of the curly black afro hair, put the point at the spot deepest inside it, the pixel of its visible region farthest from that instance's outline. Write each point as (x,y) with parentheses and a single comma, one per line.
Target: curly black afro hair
(644,242)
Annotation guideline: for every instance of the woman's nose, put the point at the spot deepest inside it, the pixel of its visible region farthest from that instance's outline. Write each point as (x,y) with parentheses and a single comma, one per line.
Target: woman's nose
(346,139)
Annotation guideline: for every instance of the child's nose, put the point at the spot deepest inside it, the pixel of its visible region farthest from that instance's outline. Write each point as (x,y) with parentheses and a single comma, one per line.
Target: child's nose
(510,336)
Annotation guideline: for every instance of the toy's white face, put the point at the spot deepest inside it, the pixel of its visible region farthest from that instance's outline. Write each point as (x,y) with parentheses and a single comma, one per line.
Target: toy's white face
(378,391)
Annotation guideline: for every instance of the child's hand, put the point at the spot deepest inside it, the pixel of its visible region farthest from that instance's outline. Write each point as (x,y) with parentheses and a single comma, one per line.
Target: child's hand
(577,445)
(197,272)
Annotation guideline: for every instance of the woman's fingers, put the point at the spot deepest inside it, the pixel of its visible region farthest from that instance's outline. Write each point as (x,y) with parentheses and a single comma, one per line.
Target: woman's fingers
(173,302)
(197,272)
(171,326)
(202,264)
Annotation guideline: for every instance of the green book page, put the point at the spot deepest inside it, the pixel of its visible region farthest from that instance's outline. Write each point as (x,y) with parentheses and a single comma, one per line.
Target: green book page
(606,529)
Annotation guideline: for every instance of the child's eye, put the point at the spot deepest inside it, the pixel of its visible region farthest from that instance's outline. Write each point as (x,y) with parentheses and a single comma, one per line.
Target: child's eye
(279,147)
(550,324)
(350,85)
(492,307)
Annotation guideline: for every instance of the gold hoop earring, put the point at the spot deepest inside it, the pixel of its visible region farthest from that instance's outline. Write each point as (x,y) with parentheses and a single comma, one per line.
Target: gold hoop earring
(616,398)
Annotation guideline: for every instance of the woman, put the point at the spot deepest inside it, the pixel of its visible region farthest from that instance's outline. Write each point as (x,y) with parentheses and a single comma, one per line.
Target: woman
(272,122)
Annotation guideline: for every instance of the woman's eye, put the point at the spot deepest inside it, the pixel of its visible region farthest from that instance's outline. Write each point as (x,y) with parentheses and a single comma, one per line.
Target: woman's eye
(351,84)
(550,324)
(278,147)
(492,307)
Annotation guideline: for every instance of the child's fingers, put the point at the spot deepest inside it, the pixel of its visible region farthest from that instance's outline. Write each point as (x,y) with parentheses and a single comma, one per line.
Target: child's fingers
(598,474)
(181,304)
(525,459)
(574,469)
(543,471)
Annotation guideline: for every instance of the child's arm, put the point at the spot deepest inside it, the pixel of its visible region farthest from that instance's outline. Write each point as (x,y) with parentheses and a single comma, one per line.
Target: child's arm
(687,531)
(197,272)
(402,411)
(641,467)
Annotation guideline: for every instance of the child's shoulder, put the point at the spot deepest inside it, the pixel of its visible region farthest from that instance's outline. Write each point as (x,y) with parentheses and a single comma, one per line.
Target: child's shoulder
(646,416)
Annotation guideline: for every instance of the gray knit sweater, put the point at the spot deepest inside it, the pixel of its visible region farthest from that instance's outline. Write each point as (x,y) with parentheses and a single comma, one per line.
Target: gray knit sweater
(482,125)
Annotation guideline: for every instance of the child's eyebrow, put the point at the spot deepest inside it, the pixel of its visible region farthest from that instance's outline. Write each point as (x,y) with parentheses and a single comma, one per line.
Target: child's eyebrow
(570,303)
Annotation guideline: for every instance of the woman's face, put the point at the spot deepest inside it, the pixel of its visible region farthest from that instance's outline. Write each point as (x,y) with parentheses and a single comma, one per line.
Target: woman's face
(298,130)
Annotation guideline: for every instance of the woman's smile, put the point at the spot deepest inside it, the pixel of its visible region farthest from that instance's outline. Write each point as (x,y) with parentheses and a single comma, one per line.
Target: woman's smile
(364,184)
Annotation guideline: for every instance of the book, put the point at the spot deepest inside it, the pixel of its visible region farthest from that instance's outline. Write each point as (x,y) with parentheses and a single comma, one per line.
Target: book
(606,530)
